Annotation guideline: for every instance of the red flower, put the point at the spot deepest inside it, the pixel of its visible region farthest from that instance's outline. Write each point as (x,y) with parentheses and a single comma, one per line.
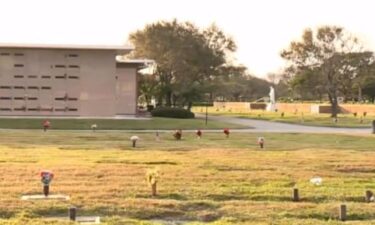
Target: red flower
(199,133)
(46,123)
(226,132)
(44,173)
(178,134)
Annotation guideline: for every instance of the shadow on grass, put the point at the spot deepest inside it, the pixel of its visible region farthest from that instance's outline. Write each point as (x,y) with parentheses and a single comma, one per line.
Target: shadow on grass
(317,216)
(171,196)
(355,170)
(18,161)
(4,214)
(113,161)
(277,198)
(51,211)
(229,197)
(198,206)
(333,216)
(147,214)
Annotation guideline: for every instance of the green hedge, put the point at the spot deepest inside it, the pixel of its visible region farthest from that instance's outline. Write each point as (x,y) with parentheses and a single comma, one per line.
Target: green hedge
(203,104)
(172,112)
(261,106)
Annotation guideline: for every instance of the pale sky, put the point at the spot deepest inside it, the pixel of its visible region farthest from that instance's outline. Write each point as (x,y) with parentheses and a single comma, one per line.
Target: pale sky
(261,28)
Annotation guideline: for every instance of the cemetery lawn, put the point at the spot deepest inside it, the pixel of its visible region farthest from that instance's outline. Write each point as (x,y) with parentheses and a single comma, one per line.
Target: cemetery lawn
(214,179)
(344,120)
(114,124)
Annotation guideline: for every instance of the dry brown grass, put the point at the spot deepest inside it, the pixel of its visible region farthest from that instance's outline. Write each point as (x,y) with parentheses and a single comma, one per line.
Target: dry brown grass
(212,179)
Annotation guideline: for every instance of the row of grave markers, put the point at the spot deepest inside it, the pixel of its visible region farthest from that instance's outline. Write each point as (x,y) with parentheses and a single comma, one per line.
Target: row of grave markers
(47,176)
(369,197)
(178,135)
(46,179)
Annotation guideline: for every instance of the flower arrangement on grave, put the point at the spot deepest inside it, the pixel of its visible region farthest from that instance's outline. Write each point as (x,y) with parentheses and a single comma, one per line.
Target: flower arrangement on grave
(226,132)
(94,127)
(46,125)
(177,134)
(152,177)
(157,136)
(198,133)
(260,142)
(134,140)
(46,178)
(316,180)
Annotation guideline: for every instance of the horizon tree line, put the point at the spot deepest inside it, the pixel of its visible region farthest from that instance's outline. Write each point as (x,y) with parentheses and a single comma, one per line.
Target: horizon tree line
(198,65)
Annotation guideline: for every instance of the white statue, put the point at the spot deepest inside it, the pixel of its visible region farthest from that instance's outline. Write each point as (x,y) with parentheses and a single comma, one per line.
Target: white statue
(272,95)
(271,106)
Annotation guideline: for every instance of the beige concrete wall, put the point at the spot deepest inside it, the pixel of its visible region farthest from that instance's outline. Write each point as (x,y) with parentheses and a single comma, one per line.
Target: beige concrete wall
(126,90)
(233,105)
(294,107)
(60,82)
(97,93)
(302,107)
(360,109)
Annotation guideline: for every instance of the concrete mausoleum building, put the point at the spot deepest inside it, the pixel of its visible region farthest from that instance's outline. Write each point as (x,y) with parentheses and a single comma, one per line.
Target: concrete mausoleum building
(67,80)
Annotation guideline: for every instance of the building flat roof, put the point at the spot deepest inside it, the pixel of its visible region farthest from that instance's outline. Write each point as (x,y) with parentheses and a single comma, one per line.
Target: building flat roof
(139,63)
(135,61)
(120,49)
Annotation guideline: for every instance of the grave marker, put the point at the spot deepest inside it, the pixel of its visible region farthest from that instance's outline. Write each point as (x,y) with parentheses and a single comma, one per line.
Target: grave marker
(295,195)
(369,196)
(261,142)
(72,213)
(46,178)
(342,213)
(134,140)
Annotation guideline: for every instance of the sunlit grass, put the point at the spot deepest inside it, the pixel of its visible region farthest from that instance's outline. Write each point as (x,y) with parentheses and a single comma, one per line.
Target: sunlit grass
(225,181)
(343,120)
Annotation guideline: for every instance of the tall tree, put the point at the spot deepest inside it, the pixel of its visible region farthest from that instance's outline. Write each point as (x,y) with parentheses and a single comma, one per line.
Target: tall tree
(187,58)
(368,88)
(148,87)
(365,84)
(330,53)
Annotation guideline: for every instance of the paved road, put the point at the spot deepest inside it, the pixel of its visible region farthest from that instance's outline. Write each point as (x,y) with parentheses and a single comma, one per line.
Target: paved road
(268,126)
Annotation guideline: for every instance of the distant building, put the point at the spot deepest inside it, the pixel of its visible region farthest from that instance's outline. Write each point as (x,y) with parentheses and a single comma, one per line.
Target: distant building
(67,80)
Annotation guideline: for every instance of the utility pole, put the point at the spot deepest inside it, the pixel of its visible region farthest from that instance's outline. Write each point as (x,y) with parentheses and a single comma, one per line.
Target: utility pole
(206,113)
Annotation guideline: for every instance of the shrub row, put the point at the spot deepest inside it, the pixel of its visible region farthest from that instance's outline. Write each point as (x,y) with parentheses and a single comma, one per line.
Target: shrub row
(172,112)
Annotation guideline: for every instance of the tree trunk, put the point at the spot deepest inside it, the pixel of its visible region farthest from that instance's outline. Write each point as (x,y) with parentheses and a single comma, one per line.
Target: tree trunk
(334,104)
(190,104)
(148,99)
(359,94)
(159,100)
(168,99)
(320,97)
(174,100)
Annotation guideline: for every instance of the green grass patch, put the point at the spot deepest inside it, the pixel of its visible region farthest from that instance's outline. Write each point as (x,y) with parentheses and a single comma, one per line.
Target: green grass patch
(114,124)
(214,180)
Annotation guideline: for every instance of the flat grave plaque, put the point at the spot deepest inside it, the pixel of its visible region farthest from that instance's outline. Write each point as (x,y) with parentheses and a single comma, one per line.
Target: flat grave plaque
(43,197)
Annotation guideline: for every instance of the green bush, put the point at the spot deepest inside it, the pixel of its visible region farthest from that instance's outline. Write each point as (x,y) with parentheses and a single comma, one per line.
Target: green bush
(203,104)
(259,106)
(172,112)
